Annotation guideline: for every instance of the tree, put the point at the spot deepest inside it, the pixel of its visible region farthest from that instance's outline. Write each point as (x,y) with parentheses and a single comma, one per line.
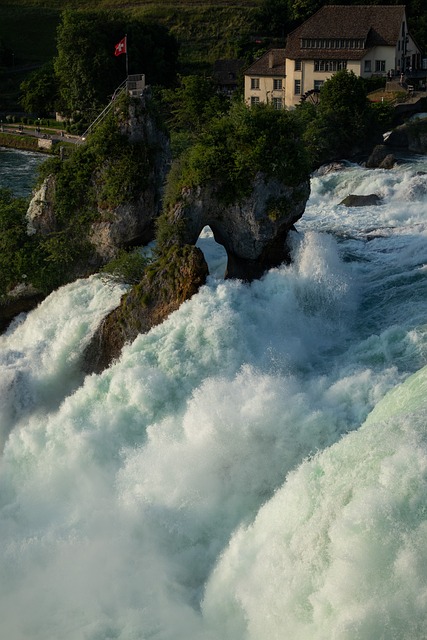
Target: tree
(274,17)
(87,70)
(233,148)
(40,91)
(344,119)
(193,103)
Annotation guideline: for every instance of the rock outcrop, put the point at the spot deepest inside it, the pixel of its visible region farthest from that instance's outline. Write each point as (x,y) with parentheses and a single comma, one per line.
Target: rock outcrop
(253,231)
(127,224)
(381,158)
(353,200)
(170,281)
(411,136)
(22,299)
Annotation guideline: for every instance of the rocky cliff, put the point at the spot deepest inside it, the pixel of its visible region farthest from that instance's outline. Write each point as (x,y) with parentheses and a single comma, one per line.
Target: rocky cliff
(131,222)
(169,281)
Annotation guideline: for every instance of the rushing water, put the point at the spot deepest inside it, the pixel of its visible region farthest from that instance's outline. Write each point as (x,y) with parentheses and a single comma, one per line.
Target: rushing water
(255,468)
(17,170)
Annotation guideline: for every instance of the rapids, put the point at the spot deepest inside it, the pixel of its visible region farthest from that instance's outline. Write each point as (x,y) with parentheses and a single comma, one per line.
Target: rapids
(254,468)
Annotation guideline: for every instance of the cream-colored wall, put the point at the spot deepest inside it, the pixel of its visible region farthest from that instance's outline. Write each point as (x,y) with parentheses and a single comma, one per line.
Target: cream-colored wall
(388,54)
(308,75)
(265,93)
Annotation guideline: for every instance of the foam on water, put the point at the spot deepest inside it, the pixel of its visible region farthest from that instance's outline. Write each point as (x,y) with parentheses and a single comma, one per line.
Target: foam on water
(339,552)
(215,482)
(39,355)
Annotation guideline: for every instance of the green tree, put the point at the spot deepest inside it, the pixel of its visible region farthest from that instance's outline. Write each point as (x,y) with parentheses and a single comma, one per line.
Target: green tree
(234,147)
(40,91)
(344,121)
(274,17)
(193,103)
(14,241)
(87,70)
(84,68)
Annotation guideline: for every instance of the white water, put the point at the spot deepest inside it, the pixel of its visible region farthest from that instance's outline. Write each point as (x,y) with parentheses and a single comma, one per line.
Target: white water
(252,469)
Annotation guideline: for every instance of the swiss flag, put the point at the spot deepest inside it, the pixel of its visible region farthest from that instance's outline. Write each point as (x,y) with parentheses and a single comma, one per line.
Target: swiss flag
(120,47)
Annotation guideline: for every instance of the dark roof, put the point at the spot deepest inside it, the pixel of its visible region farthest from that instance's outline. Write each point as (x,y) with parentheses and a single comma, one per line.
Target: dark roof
(375,24)
(272,63)
(227,71)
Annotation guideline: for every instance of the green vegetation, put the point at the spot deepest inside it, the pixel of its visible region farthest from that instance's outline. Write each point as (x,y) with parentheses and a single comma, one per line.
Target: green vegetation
(21,142)
(233,148)
(344,121)
(129,267)
(108,170)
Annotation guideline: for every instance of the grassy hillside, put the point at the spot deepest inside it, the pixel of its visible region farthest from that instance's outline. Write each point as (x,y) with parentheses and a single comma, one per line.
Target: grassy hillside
(205,31)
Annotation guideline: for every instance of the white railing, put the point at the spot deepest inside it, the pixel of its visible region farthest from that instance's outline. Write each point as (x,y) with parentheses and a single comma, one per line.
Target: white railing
(120,89)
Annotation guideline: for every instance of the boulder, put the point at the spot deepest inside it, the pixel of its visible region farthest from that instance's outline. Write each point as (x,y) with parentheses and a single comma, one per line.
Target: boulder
(411,136)
(361,201)
(21,299)
(128,224)
(380,157)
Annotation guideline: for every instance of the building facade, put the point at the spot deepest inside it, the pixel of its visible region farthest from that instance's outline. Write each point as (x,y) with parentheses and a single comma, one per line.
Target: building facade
(265,79)
(366,39)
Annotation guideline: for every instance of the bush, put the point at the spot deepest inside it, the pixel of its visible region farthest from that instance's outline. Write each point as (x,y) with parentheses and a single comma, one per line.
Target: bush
(128,267)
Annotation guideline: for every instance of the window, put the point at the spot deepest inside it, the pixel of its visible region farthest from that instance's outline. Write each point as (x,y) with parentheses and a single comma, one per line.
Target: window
(254,83)
(330,65)
(379,65)
(297,87)
(297,65)
(277,84)
(254,100)
(318,85)
(367,67)
(277,103)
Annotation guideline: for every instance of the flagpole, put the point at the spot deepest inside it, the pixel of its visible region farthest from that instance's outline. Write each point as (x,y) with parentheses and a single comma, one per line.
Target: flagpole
(127,61)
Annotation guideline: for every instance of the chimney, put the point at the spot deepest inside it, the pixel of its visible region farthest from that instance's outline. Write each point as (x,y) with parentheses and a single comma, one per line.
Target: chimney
(270,59)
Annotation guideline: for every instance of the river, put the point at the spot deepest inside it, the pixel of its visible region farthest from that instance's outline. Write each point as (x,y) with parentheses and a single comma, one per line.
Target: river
(18,170)
(254,468)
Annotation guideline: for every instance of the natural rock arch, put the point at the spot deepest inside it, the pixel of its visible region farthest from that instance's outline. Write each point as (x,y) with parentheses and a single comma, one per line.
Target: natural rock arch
(252,231)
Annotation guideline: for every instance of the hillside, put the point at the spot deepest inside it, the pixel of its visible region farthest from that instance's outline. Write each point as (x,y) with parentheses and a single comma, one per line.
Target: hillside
(205,31)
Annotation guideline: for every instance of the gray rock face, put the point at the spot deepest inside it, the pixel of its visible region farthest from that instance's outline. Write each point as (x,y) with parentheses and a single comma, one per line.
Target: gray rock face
(41,210)
(411,136)
(381,158)
(253,231)
(128,224)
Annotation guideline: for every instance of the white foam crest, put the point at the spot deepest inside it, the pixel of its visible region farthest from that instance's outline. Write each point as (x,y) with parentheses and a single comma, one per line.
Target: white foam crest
(122,498)
(116,504)
(339,552)
(40,352)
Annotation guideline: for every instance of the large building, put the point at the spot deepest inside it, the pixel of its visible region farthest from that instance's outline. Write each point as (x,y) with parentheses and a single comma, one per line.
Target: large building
(366,39)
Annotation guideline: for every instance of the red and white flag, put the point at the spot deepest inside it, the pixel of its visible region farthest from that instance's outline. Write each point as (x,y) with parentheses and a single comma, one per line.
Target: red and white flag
(120,47)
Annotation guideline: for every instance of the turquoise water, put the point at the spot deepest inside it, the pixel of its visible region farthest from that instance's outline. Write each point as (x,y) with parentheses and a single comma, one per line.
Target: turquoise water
(18,170)
(254,468)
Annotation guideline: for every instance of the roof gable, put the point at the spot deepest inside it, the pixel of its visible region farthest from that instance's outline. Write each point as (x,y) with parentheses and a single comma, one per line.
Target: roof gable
(374,24)
(271,63)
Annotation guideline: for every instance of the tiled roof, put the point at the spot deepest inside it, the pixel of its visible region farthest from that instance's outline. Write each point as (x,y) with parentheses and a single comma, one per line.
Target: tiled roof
(272,63)
(375,24)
